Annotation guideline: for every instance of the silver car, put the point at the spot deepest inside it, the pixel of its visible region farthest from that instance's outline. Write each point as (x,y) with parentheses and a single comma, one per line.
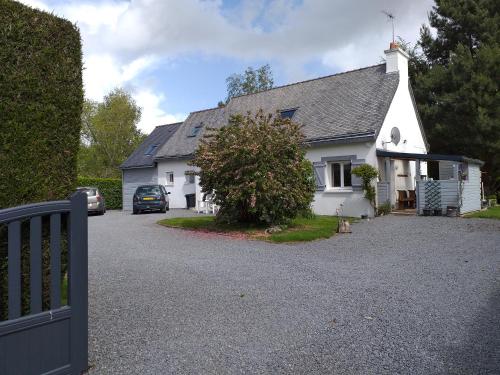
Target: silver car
(95,200)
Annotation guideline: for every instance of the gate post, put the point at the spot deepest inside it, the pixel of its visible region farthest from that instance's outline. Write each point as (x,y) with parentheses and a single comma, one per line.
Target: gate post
(78,282)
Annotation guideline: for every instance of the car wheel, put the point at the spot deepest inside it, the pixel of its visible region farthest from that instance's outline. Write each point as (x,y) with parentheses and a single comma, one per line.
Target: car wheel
(167,207)
(135,211)
(163,209)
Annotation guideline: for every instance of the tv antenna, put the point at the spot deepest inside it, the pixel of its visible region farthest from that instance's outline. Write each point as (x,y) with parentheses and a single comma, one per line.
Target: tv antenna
(390,17)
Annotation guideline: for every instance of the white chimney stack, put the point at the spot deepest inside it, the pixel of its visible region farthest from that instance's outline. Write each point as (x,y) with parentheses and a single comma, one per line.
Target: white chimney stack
(396,60)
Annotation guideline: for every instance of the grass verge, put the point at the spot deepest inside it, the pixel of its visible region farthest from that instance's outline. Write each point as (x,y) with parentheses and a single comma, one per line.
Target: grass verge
(300,229)
(490,213)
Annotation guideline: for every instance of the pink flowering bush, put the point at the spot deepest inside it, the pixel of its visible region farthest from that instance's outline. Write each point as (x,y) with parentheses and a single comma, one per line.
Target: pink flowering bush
(257,168)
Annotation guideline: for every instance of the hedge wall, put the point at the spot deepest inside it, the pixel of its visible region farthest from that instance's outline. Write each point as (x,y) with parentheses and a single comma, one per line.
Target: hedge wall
(41,100)
(40,105)
(111,189)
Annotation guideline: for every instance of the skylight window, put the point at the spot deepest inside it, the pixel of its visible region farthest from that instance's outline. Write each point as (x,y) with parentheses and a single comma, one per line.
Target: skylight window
(151,149)
(195,130)
(288,113)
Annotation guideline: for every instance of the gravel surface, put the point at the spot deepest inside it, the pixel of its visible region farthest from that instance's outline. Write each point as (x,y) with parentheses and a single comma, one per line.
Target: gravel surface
(400,295)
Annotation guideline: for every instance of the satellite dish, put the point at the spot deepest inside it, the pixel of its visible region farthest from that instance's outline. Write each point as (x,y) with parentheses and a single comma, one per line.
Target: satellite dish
(395,135)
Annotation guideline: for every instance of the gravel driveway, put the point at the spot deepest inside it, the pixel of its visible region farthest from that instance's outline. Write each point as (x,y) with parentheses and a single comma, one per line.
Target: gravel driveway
(400,295)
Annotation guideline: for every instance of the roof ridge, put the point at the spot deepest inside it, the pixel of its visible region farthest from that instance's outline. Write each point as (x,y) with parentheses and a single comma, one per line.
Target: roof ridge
(309,80)
(204,110)
(171,124)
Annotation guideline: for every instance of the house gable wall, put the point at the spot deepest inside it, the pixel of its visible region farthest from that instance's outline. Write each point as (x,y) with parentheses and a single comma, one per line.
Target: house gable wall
(180,188)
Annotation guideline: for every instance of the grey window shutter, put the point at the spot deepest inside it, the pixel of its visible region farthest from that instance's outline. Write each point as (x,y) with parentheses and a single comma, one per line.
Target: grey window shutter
(319,174)
(355,180)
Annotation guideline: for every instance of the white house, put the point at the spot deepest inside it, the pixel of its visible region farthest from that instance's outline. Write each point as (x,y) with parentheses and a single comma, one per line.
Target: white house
(361,116)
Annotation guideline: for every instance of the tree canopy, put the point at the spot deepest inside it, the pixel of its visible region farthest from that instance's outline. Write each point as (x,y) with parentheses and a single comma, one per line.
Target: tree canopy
(109,134)
(456,79)
(253,80)
(256,165)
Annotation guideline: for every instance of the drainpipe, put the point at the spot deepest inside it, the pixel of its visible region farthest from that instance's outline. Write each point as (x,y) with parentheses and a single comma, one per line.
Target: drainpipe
(417,185)
(388,176)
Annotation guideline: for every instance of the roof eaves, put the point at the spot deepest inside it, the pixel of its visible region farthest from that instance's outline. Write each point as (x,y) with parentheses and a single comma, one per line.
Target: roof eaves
(346,138)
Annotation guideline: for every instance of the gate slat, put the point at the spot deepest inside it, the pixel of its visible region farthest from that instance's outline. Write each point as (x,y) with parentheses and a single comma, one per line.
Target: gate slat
(55,261)
(35,265)
(14,269)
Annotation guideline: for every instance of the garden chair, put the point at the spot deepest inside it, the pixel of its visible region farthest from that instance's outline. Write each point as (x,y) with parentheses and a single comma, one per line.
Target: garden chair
(402,199)
(412,198)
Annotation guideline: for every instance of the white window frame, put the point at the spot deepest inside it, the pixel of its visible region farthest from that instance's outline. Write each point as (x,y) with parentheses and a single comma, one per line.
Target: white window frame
(167,181)
(330,176)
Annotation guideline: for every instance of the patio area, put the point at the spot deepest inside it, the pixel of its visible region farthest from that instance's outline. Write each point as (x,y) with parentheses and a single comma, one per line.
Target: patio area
(429,184)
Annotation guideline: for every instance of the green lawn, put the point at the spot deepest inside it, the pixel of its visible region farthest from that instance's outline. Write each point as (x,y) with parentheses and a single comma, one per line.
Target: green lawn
(490,213)
(300,229)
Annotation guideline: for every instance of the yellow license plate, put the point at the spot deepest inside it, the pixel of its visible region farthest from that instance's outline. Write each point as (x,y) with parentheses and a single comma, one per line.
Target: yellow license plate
(147,199)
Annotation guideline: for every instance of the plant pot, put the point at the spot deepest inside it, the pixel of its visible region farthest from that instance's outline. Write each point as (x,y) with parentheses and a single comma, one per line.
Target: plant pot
(437,212)
(427,211)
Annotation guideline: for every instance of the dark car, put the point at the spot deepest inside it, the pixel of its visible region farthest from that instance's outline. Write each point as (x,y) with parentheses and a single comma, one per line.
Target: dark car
(95,200)
(150,198)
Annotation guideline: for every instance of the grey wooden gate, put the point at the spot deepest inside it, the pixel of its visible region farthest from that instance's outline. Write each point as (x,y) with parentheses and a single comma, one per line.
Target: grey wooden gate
(54,341)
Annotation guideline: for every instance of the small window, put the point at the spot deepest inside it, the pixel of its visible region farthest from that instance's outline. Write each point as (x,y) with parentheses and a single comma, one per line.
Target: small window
(189,177)
(287,113)
(195,130)
(341,174)
(170,179)
(151,149)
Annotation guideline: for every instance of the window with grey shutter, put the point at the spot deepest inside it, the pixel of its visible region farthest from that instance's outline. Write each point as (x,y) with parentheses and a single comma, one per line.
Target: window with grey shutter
(319,174)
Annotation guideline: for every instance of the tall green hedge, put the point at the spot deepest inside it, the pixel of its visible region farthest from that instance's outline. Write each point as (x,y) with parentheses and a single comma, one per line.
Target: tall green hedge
(41,98)
(111,189)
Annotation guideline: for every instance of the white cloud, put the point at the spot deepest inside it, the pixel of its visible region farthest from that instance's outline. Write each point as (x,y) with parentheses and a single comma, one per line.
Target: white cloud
(122,39)
(152,113)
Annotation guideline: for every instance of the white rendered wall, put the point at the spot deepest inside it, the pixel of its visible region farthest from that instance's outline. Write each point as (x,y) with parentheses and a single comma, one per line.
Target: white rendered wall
(354,203)
(180,188)
(402,114)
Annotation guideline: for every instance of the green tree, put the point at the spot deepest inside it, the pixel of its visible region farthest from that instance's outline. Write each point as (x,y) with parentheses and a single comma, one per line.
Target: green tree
(257,167)
(253,80)
(456,81)
(109,134)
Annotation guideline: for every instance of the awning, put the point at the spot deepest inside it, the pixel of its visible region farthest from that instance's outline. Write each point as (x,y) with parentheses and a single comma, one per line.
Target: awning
(427,157)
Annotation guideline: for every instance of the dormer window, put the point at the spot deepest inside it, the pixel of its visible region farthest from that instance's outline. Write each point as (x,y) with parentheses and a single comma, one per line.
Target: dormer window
(151,149)
(287,113)
(195,130)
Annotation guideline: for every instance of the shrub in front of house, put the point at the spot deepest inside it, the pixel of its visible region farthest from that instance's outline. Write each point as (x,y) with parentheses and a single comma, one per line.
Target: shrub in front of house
(257,168)
(40,117)
(110,188)
(367,173)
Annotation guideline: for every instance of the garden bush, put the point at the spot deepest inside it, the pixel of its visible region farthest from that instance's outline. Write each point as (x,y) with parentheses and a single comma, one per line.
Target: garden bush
(257,167)
(110,188)
(40,119)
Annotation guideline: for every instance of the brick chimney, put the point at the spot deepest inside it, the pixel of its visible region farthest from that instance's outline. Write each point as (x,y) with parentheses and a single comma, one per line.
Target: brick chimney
(396,60)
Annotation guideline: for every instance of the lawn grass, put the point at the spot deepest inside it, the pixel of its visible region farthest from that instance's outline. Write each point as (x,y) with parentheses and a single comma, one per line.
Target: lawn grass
(300,229)
(490,213)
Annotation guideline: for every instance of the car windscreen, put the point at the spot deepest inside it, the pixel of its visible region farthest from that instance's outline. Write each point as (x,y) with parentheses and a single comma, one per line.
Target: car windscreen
(148,190)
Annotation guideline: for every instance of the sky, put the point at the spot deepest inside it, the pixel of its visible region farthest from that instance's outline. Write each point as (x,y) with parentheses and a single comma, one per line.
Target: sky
(174,56)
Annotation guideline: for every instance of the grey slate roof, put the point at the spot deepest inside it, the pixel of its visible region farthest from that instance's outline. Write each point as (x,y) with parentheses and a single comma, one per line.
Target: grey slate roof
(343,105)
(159,136)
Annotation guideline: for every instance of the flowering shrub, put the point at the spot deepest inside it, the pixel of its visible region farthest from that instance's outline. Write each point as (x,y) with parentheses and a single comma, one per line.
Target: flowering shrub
(256,165)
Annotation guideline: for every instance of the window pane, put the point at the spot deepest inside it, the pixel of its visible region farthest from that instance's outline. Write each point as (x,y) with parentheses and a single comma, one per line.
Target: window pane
(336,175)
(347,174)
